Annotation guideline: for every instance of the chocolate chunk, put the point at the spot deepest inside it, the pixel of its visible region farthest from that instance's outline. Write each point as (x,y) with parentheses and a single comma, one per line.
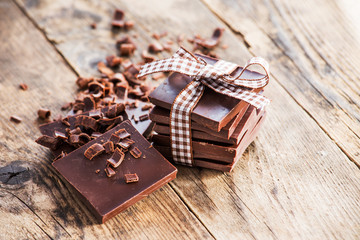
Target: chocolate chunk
(66,106)
(109,146)
(135,152)
(211,43)
(118,19)
(83,82)
(155,47)
(126,143)
(78,139)
(76,130)
(97,171)
(122,133)
(104,69)
(113,61)
(127,49)
(15,119)
(131,178)
(60,135)
(144,117)
(121,92)
(23,86)
(126,64)
(47,141)
(117,158)
(79,106)
(96,114)
(93,26)
(89,104)
(147,58)
(111,121)
(114,138)
(65,121)
(44,113)
(115,110)
(93,151)
(109,171)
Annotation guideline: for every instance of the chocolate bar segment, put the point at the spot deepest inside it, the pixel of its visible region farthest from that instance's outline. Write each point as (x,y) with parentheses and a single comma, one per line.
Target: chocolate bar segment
(107,196)
(214,110)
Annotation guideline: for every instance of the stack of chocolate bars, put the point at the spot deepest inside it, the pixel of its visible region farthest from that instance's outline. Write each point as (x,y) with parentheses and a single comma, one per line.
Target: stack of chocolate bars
(222,126)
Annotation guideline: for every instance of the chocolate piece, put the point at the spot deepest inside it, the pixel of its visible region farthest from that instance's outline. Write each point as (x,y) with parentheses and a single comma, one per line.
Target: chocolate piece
(86,121)
(155,47)
(44,113)
(126,143)
(97,171)
(83,82)
(146,107)
(147,58)
(144,117)
(104,69)
(210,43)
(131,178)
(60,135)
(135,152)
(47,141)
(117,158)
(23,86)
(15,119)
(93,26)
(92,188)
(121,92)
(214,110)
(113,61)
(145,126)
(115,138)
(109,172)
(122,133)
(129,24)
(109,146)
(127,49)
(65,121)
(89,104)
(96,114)
(93,151)
(115,110)
(118,19)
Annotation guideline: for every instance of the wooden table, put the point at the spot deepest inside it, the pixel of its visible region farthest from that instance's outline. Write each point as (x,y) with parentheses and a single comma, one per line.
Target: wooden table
(300,179)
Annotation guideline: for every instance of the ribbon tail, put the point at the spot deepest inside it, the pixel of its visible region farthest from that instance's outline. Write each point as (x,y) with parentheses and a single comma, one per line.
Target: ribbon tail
(180,122)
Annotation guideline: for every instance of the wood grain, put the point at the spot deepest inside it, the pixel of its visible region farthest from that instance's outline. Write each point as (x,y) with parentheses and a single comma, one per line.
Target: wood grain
(314,53)
(294,182)
(36,203)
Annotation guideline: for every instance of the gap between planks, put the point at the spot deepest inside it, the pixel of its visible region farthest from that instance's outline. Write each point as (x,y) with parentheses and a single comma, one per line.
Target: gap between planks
(247,45)
(68,64)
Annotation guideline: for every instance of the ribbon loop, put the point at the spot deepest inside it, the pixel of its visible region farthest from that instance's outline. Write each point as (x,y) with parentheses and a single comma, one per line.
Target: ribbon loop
(216,77)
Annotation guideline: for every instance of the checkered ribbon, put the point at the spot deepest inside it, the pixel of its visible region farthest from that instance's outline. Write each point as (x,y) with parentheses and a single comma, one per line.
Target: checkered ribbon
(216,77)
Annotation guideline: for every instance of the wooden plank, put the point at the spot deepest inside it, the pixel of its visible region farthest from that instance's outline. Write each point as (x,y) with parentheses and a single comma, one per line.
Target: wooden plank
(316,62)
(35,202)
(294,181)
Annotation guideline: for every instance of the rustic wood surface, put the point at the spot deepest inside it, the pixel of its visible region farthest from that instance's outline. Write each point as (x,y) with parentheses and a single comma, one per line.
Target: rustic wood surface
(300,179)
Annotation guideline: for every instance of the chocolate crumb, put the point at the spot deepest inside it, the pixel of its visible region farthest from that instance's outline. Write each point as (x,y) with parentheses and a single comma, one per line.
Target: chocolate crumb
(93,26)
(44,113)
(15,119)
(97,171)
(23,86)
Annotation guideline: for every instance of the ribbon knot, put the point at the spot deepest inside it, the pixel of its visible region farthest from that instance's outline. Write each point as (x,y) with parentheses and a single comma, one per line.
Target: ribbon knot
(216,77)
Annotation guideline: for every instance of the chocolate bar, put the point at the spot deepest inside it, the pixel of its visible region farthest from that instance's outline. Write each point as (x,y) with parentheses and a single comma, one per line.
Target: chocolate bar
(107,193)
(248,137)
(250,118)
(214,110)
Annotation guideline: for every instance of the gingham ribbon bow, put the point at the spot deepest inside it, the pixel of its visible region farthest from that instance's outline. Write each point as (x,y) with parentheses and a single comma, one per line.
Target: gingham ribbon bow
(216,77)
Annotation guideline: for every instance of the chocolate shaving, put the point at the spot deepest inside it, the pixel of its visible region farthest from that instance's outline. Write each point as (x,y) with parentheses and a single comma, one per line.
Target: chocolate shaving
(109,171)
(66,106)
(97,171)
(104,69)
(155,47)
(109,147)
(114,138)
(118,19)
(126,143)
(113,61)
(127,49)
(89,104)
(65,121)
(135,152)
(79,106)
(86,121)
(115,110)
(93,151)
(44,113)
(126,64)
(75,131)
(47,141)
(122,133)
(107,121)
(96,114)
(60,135)
(83,82)
(129,24)
(146,107)
(144,117)
(116,159)
(23,86)
(210,43)
(131,178)
(15,119)
(121,91)
(147,58)
(78,139)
